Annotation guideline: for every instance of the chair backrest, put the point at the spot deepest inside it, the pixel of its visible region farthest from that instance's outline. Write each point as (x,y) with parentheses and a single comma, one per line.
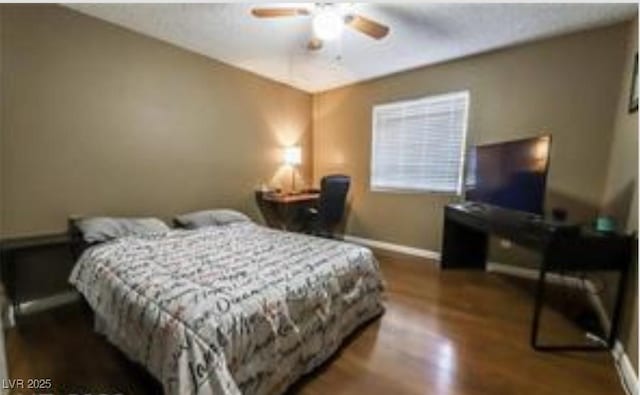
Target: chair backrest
(333,195)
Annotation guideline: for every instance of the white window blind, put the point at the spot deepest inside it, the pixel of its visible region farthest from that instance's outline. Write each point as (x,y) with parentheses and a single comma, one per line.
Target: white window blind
(418,145)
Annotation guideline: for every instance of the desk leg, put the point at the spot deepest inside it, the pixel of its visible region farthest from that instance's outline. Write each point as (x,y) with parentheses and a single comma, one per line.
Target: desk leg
(463,247)
(615,316)
(537,311)
(537,306)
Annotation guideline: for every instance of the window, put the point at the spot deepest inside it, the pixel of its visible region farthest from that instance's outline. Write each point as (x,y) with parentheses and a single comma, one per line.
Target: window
(418,145)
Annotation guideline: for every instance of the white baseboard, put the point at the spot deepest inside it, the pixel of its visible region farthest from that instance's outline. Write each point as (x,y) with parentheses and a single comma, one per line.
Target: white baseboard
(383,245)
(627,373)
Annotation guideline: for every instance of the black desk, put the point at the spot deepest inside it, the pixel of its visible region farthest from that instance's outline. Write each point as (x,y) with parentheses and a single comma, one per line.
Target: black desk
(564,247)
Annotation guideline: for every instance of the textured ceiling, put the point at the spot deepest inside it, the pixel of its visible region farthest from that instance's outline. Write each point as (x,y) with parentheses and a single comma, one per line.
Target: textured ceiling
(421,34)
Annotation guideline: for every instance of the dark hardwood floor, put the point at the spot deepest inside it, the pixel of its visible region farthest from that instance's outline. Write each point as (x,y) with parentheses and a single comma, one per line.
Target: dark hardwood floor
(444,332)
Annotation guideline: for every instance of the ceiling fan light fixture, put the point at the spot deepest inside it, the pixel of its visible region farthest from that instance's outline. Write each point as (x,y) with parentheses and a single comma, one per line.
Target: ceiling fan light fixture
(327,24)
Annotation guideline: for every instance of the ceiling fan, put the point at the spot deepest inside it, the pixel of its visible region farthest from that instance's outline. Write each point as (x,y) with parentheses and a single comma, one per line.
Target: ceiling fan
(327,22)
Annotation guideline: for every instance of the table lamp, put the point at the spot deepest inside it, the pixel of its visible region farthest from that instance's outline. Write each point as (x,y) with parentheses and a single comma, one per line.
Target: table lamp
(293,158)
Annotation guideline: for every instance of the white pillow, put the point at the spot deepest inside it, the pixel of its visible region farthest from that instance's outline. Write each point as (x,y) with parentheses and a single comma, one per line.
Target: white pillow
(204,218)
(101,229)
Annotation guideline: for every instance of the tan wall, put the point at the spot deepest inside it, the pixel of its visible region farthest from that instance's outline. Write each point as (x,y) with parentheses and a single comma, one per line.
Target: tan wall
(95,119)
(567,86)
(621,189)
(101,120)
(4,375)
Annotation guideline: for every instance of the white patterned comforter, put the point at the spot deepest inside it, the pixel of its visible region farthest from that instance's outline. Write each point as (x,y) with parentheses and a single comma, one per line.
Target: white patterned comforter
(231,309)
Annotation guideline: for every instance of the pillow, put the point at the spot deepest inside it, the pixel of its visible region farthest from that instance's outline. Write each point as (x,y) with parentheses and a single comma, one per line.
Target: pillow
(204,218)
(101,229)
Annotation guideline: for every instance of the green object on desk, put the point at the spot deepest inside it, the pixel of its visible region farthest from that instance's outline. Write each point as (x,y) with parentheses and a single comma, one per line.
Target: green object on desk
(605,224)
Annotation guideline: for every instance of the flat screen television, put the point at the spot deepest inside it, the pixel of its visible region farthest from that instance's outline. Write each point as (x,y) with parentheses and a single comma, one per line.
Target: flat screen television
(511,174)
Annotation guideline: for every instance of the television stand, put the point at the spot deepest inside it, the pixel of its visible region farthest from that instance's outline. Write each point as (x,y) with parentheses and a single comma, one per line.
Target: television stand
(564,247)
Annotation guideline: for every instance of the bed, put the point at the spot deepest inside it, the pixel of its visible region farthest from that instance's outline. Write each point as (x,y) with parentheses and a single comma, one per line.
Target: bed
(234,309)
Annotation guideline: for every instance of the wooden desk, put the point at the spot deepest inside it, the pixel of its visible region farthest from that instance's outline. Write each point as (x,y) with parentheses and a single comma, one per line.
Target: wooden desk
(285,211)
(290,198)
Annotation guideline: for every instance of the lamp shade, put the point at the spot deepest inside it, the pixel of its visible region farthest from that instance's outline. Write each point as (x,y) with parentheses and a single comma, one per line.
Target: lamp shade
(293,155)
(327,24)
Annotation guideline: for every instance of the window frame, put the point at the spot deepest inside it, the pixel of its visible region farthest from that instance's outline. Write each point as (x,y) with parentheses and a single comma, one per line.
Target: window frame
(459,191)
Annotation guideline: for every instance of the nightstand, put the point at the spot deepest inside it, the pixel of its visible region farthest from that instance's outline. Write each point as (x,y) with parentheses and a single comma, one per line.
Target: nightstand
(35,268)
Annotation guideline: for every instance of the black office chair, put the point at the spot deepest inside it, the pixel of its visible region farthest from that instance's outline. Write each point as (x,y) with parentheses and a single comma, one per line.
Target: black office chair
(322,220)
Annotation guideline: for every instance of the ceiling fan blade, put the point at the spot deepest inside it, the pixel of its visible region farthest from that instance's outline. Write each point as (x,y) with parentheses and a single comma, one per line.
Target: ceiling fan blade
(367,26)
(314,44)
(278,12)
